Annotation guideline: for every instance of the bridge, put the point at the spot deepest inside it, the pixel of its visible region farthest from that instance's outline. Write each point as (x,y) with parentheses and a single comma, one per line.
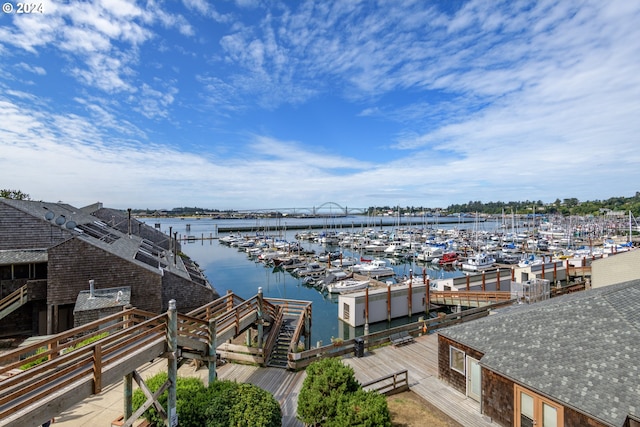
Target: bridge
(327,209)
(64,372)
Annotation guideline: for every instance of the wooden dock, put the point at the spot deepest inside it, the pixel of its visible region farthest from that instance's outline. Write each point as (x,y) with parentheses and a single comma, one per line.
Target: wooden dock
(420,358)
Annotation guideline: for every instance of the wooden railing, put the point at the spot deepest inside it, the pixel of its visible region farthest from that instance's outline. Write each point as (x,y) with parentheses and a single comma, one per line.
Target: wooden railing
(469,298)
(390,384)
(129,332)
(13,301)
(300,360)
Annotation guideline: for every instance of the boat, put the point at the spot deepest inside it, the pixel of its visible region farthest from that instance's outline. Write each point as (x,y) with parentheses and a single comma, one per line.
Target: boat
(530,261)
(347,286)
(375,268)
(479,262)
(312,269)
(448,258)
(427,255)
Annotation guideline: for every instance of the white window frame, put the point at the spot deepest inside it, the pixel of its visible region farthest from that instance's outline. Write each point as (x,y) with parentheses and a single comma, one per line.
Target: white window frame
(463,359)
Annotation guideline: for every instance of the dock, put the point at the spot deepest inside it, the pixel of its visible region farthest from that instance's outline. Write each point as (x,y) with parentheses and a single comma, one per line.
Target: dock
(420,358)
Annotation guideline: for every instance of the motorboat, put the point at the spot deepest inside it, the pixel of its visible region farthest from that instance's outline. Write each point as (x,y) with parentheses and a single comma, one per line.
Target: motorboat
(479,262)
(347,286)
(375,268)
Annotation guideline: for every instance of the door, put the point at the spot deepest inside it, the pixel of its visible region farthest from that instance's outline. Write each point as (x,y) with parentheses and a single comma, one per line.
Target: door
(533,410)
(474,386)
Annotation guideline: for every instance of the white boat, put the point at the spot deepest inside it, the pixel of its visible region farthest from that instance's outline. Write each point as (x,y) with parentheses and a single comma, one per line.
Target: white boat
(312,269)
(428,254)
(530,261)
(344,262)
(479,262)
(375,268)
(347,286)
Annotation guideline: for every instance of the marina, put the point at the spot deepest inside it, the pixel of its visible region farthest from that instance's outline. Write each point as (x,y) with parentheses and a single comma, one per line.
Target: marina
(321,265)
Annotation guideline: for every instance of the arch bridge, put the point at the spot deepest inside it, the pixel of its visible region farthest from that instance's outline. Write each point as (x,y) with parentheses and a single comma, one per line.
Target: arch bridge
(329,209)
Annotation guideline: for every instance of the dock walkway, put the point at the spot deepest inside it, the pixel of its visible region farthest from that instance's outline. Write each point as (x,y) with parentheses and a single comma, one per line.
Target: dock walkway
(419,358)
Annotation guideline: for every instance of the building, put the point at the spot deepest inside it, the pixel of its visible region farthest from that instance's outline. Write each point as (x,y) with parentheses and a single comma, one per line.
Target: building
(568,361)
(52,250)
(621,267)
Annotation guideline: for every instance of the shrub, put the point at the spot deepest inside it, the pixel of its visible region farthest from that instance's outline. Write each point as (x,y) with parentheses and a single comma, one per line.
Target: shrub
(328,381)
(191,400)
(364,409)
(223,403)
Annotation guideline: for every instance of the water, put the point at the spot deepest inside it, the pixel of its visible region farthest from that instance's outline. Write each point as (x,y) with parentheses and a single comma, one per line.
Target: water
(227,268)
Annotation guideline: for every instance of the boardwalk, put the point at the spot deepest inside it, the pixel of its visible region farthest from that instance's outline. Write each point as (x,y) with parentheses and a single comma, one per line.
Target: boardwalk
(419,358)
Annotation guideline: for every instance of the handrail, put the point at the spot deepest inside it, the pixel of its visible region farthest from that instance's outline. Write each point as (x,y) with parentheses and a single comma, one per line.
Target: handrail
(302,359)
(18,296)
(399,383)
(67,365)
(273,336)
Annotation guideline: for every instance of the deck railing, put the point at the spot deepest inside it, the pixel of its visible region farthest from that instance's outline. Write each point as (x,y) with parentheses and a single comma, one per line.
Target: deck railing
(12,301)
(389,384)
(300,360)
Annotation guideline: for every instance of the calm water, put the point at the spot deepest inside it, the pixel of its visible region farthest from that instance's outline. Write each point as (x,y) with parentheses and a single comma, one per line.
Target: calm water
(230,269)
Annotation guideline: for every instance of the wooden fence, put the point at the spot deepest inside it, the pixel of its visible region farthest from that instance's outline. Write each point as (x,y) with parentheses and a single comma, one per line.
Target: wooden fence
(390,384)
(300,360)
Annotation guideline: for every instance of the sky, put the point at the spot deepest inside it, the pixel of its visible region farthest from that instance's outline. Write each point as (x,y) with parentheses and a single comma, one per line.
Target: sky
(252,104)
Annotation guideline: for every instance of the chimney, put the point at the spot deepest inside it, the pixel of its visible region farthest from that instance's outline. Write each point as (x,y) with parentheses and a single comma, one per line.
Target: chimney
(91,289)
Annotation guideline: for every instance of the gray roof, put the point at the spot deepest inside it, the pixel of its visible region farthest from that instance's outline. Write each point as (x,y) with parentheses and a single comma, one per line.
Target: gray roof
(581,350)
(103,298)
(79,223)
(23,256)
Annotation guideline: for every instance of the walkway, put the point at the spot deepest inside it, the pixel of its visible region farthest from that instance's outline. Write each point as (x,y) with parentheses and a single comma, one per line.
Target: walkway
(420,358)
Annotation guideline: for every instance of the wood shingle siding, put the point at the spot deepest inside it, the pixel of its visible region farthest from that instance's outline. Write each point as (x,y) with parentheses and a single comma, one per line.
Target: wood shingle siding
(67,279)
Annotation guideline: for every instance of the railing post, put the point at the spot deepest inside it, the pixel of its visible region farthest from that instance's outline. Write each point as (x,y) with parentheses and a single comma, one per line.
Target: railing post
(128,396)
(212,350)
(498,279)
(128,378)
(307,328)
(97,368)
(172,361)
(410,301)
(260,321)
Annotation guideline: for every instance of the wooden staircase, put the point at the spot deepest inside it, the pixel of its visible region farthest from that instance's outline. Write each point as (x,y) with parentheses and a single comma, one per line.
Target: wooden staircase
(279,354)
(13,301)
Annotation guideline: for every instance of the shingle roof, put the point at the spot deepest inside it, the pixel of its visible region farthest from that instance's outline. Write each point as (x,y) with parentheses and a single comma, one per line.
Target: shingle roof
(103,298)
(582,350)
(23,256)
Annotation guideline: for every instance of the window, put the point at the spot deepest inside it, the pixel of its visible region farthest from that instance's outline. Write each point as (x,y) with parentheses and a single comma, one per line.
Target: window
(345,309)
(456,359)
(533,410)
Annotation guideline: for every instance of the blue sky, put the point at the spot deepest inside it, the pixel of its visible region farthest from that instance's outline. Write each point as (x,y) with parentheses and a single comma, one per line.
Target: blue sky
(265,104)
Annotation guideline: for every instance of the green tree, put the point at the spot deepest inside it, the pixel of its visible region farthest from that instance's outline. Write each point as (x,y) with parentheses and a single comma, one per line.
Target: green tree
(363,409)
(14,194)
(328,382)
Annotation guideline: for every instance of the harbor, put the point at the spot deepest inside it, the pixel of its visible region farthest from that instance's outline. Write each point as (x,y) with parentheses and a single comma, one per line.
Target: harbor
(328,262)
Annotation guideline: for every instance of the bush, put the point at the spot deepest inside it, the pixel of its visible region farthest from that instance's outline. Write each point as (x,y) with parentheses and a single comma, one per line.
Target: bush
(224,403)
(254,407)
(364,409)
(191,400)
(328,382)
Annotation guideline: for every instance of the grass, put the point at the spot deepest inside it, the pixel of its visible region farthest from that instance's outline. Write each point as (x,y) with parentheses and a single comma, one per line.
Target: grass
(410,410)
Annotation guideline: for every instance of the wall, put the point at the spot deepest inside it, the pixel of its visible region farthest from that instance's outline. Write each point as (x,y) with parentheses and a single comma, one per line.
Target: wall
(188,295)
(445,373)
(87,316)
(73,263)
(613,269)
(576,419)
(23,231)
(497,398)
